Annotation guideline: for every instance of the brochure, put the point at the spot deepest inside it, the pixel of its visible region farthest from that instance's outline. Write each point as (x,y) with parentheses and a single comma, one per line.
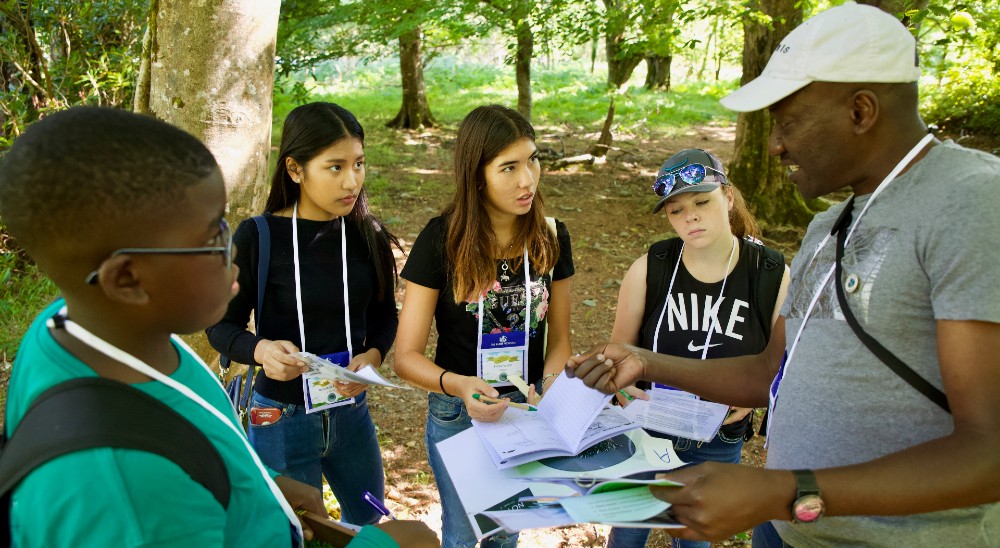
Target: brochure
(678,414)
(570,418)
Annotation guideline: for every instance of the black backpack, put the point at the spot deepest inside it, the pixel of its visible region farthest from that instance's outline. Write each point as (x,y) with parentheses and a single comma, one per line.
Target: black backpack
(92,412)
(766,271)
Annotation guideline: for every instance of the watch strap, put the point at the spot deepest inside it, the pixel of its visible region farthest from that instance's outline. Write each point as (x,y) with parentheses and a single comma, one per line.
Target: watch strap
(805,483)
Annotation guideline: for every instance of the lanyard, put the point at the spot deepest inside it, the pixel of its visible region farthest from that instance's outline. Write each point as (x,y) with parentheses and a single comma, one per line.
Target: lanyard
(527,310)
(298,280)
(715,307)
(119,355)
(822,285)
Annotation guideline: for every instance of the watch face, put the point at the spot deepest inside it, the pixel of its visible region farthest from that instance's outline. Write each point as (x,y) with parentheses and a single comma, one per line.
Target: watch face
(808,508)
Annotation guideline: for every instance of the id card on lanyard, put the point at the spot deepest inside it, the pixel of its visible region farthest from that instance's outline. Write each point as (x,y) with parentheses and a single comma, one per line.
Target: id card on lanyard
(501,355)
(319,393)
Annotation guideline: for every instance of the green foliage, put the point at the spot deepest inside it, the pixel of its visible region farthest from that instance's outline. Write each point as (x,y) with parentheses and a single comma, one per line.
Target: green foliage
(57,54)
(24,292)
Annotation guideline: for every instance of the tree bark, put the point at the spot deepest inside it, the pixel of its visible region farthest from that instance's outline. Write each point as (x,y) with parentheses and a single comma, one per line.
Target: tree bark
(414,112)
(621,63)
(522,65)
(760,177)
(658,72)
(211,73)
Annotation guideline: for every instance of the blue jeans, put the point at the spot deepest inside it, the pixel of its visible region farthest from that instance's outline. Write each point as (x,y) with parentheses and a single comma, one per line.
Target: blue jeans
(447,416)
(339,444)
(725,447)
(766,536)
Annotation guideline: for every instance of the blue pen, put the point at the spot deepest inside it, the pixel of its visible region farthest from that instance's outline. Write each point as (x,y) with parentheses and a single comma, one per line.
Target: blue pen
(377,505)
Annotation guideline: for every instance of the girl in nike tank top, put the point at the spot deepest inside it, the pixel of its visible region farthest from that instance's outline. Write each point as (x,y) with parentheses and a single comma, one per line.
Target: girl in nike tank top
(700,295)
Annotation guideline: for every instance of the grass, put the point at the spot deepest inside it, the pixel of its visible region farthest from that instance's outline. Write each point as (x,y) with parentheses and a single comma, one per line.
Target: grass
(24,292)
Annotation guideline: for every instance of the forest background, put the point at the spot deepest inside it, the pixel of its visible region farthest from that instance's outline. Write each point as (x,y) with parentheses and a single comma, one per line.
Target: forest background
(613,88)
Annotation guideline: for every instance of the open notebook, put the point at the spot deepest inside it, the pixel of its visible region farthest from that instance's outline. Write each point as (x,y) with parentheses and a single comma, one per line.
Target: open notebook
(570,418)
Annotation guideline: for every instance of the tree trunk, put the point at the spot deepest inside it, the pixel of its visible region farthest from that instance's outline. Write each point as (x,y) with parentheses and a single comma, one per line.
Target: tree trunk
(522,65)
(760,177)
(414,112)
(620,62)
(603,144)
(211,73)
(658,72)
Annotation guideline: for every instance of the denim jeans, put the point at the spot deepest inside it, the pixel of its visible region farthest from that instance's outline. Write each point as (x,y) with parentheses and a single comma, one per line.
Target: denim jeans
(447,416)
(725,447)
(339,444)
(766,536)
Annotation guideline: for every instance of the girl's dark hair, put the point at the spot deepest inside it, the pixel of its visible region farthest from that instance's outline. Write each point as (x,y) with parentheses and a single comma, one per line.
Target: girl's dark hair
(308,130)
(470,244)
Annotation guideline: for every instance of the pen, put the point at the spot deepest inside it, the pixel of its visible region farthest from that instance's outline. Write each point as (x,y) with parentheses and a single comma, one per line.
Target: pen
(517,381)
(626,394)
(377,505)
(487,399)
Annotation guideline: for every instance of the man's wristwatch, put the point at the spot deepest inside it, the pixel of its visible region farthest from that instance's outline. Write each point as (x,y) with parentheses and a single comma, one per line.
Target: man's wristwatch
(808,507)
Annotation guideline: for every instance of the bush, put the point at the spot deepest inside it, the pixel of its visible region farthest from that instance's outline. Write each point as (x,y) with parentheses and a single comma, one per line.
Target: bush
(968,99)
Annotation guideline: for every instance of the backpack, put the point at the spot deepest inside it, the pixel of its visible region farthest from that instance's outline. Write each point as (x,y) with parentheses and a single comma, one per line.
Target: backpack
(240,388)
(93,412)
(766,272)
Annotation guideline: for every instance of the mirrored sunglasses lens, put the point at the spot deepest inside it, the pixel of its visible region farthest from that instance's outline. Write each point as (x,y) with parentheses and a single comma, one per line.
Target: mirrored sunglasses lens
(692,174)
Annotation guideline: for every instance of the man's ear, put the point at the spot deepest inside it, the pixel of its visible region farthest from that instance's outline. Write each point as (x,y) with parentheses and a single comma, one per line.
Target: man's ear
(120,282)
(864,110)
(294,169)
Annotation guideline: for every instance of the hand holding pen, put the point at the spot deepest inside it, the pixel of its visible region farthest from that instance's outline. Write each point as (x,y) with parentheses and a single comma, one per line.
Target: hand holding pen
(377,505)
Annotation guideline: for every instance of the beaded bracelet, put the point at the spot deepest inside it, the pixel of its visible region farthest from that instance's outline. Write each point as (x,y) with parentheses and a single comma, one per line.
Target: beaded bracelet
(441,384)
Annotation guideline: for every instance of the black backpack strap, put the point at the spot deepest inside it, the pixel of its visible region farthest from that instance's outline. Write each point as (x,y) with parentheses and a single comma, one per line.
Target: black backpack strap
(897,365)
(95,412)
(765,281)
(660,259)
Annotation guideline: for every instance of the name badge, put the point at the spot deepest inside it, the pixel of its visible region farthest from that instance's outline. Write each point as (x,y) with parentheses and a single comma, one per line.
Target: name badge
(320,393)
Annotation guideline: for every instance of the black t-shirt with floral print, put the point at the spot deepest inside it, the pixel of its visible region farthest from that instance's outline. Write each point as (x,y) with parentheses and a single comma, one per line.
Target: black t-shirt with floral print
(457,323)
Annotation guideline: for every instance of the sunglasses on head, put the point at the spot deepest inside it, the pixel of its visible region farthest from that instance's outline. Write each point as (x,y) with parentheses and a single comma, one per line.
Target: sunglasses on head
(688,174)
(226,250)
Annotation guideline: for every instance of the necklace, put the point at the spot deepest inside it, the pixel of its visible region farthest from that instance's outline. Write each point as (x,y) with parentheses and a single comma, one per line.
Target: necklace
(504,267)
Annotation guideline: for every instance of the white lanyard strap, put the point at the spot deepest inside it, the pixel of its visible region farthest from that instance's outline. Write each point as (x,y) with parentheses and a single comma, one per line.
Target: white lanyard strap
(857,220)
(115,353)
(298,281)
(527,309)
(715,308)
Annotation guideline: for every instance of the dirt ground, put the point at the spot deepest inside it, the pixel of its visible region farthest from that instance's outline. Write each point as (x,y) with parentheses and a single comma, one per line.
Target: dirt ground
(606,208)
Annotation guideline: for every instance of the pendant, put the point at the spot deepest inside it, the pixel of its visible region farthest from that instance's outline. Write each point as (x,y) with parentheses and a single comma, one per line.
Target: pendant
(503,274)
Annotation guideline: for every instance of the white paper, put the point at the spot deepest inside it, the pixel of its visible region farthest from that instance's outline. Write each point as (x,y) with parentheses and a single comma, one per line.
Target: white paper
(678,415)
(481,486)
(570,418)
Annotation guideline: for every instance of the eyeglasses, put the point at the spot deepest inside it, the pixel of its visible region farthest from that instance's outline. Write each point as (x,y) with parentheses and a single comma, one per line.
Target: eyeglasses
(226,250)
(689,174)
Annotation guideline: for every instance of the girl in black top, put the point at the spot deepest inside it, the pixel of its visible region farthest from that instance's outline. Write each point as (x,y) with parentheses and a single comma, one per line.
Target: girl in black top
(320,226)
(709,306)
(492,272)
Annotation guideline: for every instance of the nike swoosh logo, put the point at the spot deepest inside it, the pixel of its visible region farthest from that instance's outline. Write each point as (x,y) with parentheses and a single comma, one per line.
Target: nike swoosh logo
(693,348)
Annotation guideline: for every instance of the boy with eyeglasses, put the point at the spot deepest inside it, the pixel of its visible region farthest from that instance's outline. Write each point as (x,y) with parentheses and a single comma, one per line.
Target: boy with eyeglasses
(125,214)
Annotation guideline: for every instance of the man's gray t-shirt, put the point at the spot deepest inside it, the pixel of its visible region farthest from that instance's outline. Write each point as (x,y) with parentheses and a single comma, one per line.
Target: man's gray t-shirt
(927,249)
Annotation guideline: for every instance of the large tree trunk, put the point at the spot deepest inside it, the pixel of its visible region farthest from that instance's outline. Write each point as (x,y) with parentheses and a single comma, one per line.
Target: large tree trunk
(658,72)
(211,73)
(414,112)
(760,177)
(522,65)
(621,63)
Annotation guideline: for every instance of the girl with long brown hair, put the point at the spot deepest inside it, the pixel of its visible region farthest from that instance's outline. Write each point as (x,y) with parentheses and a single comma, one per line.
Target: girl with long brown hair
(494,273)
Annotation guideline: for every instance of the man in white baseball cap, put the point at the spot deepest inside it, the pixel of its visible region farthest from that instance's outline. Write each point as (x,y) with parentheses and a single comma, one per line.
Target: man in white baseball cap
(885,412)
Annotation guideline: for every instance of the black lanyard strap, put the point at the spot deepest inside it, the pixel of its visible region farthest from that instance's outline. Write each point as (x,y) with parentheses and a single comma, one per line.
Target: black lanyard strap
(887,357)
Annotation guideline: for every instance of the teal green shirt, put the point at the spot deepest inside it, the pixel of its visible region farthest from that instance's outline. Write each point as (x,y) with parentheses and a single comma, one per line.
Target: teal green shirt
(120,497)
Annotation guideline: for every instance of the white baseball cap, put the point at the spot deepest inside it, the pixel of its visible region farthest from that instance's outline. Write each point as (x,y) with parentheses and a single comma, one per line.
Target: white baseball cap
(847,43)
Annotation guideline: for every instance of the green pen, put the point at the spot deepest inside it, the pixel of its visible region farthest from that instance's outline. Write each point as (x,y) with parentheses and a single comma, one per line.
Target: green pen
(487,399)
(627,396)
